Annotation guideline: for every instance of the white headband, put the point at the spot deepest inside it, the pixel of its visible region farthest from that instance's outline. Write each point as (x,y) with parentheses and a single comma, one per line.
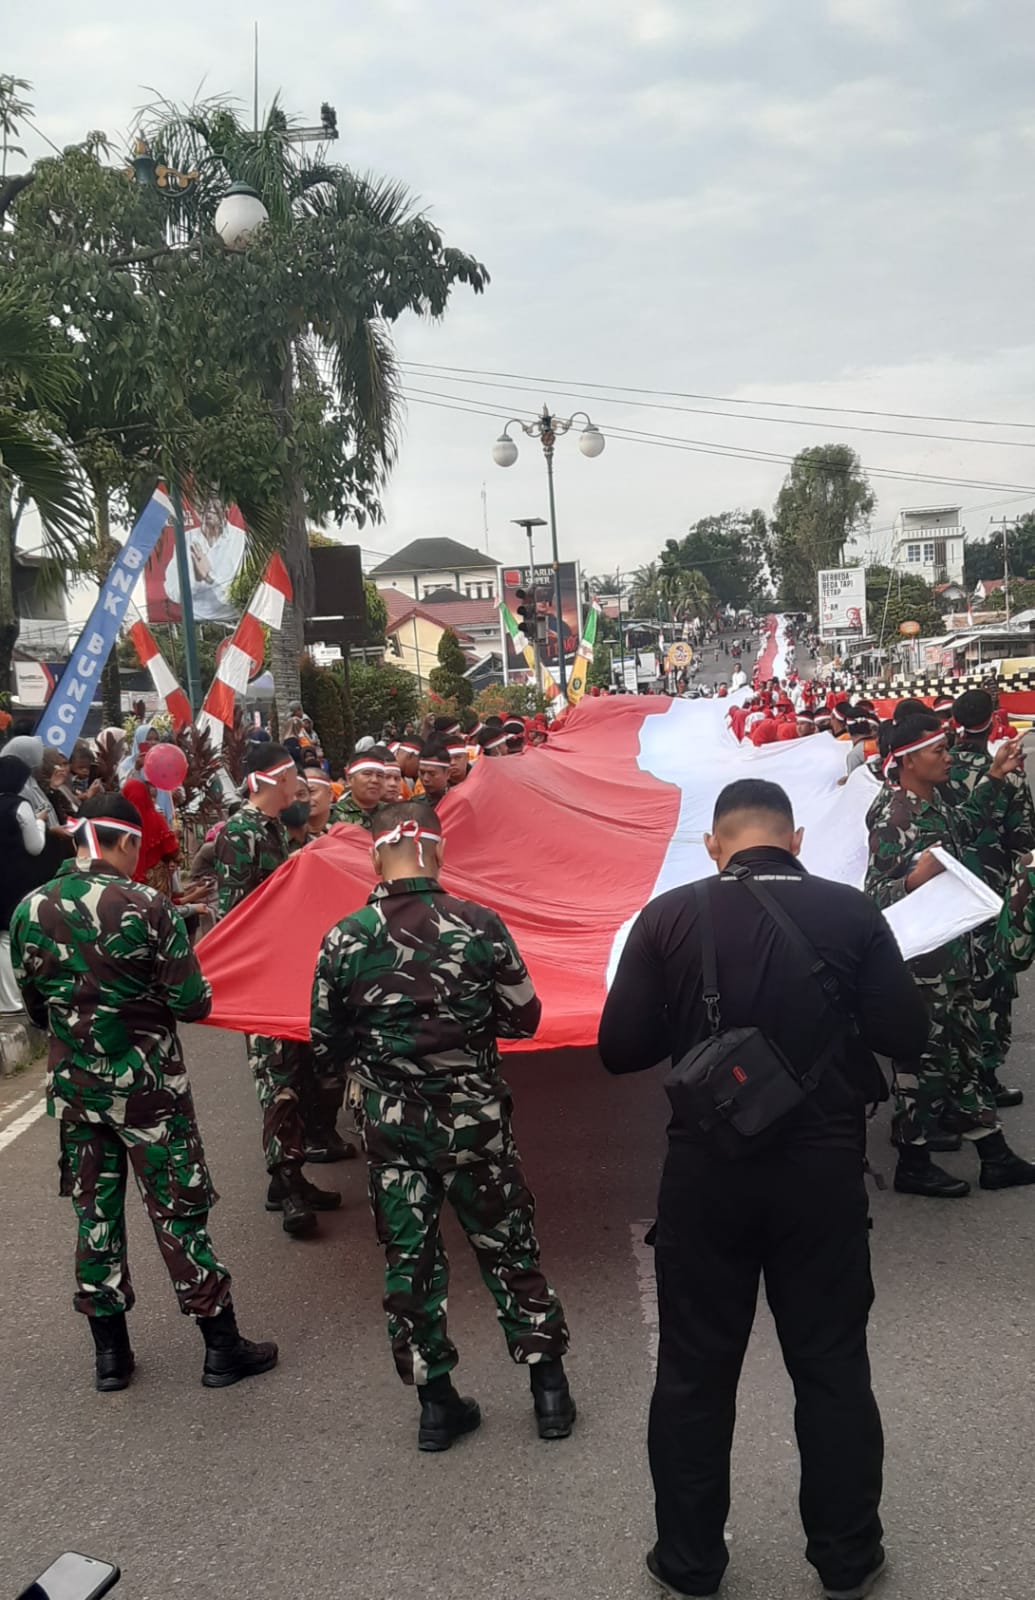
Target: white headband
(270,775)
(427,761)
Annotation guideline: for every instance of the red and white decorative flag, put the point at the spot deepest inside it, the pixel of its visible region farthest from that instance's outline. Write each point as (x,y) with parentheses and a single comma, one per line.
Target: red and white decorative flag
(243,655)
(162,676)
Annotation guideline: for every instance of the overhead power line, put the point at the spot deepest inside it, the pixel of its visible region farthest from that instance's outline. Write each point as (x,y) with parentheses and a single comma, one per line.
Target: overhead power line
(447,402)
(720,399)
(443,376)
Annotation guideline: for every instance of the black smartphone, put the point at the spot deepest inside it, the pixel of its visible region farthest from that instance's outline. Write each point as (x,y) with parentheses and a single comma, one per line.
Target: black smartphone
(73,1577)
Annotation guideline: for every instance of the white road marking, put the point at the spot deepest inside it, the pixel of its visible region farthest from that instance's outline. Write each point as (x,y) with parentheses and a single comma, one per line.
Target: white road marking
(9,1110)
(15,1129)
(643,1257)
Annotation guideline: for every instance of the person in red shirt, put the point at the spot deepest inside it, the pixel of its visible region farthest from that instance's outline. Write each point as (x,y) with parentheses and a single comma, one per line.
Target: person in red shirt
(765,732)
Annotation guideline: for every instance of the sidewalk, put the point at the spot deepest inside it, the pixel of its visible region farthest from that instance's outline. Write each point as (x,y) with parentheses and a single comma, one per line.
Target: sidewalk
(20,1043)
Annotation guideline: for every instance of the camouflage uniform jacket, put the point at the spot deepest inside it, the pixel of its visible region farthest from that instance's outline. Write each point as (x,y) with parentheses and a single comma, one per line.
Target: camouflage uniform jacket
(248,851)
(413,991)
(904,828)
(349,810)
(995,847)
(107,966)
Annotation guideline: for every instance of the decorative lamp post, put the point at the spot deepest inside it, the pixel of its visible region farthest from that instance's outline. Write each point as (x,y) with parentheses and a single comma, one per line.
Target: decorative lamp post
(547,428)
(239,215)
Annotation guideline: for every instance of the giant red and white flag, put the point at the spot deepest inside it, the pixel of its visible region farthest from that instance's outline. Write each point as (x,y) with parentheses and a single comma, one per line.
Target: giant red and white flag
(567,842)
(243,655)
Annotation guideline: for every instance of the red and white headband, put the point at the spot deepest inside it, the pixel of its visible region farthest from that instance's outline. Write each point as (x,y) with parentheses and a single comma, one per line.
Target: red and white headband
(410,829)
(457,749)
(318,777)
(270,775)
(962,728)
(87,826)
(494,744)
(920,744)
(432,761)
(364,765)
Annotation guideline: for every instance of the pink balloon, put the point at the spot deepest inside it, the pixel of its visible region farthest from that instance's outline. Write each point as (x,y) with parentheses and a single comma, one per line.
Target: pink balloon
(165,765)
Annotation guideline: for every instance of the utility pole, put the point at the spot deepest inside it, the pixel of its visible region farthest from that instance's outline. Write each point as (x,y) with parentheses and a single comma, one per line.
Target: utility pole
(1006,523)
(529,524)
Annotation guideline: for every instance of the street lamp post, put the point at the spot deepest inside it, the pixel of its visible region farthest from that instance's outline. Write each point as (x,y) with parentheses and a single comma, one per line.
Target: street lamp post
(528,523)
(238,215)
(547,428)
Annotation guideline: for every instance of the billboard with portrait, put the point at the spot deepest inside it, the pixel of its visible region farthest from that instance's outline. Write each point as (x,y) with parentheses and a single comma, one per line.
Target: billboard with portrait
(216,544)
(510,580)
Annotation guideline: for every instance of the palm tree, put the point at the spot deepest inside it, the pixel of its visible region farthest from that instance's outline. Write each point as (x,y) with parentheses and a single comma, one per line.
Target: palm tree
(687,593)
(36,372)
(645,596)
(308,310)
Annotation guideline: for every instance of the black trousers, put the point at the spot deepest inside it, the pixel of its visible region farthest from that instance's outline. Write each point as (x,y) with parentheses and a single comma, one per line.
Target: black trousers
(800,1218)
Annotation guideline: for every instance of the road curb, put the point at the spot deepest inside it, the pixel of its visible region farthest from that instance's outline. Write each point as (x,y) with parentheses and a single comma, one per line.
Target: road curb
(20,1043)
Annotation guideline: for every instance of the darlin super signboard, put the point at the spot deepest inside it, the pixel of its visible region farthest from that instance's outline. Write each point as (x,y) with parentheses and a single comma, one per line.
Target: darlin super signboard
(842,603)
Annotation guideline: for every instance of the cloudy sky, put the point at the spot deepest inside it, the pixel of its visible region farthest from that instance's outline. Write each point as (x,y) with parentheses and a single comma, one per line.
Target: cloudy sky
(824,203)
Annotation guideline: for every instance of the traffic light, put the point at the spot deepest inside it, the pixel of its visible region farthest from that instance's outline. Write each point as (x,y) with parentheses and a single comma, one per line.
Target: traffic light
(526,611)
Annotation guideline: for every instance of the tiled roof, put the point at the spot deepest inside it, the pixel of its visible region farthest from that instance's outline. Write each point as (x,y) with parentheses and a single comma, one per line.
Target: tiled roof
(457,614)
(432,555)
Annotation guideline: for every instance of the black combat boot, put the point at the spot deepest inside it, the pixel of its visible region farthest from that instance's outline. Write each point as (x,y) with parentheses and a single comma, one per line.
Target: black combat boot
(554,1406)
(229,1357)
(323,1142)
(916,1173)
(444,1415)
(1004,1097)
(298,1200)
(113,1357)
(1001,1168)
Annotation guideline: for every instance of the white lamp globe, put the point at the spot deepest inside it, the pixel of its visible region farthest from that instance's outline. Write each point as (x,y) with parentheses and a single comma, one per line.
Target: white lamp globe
(591,440)
(504,451)
(239,215)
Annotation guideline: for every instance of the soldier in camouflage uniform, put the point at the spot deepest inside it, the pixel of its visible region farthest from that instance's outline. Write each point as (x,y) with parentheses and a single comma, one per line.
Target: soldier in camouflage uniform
(253,844)
(947,1086)
(994,851)
(365,777)
(411,995)
(435,762)
(320,1099)
(106,965)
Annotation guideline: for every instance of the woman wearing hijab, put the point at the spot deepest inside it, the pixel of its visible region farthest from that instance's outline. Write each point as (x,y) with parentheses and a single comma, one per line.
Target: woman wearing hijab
(22,837)
(159,848)
(129,766)
(29,750)
(54,780)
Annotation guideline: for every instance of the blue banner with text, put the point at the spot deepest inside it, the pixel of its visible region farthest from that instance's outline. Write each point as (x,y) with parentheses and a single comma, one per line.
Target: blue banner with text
(66,710)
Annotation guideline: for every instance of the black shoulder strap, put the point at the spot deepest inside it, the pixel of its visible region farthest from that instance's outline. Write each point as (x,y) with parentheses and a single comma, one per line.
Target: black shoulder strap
(709,959)
(818,968)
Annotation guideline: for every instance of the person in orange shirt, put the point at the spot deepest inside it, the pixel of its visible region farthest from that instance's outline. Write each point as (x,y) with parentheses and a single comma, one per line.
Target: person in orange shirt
(407,753)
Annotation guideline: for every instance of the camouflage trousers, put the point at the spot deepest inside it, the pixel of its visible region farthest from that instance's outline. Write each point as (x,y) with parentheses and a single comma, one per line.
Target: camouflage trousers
(947,1088)
(168,1164)
(995,990)
(277,1067)
(463,1151)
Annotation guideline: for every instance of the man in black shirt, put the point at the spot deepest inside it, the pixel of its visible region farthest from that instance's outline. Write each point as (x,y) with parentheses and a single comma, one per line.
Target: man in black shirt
(796,1212)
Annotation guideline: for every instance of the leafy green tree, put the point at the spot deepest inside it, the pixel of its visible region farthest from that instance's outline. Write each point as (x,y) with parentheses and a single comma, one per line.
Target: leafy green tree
(983,558)
(322,701)
(37,374)
(306,313)
(1022,596)
(378,695)
(645,594)
(729,552)
(447,679)
(825,499)
(377,611)
(896,597)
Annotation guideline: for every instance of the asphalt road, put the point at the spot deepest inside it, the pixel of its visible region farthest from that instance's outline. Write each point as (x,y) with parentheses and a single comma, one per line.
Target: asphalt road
(306,1482)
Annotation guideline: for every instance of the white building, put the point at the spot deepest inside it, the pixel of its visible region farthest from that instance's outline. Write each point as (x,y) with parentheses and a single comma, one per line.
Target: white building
(925,540)
(929,541)
(427,565)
